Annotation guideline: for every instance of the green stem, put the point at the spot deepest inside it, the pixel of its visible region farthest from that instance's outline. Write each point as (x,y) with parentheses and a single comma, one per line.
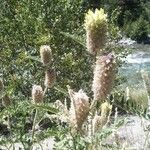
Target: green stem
(34,123)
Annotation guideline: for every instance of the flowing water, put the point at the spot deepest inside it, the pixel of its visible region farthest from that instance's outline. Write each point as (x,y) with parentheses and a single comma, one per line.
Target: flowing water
(138,60)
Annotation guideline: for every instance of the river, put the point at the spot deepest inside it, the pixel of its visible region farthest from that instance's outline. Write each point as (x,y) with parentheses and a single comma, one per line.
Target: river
(138,60)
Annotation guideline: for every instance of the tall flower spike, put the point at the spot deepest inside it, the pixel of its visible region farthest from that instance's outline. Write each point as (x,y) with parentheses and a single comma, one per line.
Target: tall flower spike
(104,74)
(96,31)
(37,94)
(79,108)
(50,78)
(46,54)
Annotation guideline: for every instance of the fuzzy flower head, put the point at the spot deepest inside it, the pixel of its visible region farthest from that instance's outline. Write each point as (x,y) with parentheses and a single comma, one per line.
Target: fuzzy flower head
(96,30)
(95,19)
(79,108)
(46,54)
(37,94)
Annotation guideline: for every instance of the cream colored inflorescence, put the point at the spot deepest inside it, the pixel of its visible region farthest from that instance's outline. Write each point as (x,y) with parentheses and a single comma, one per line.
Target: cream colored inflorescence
(79,108)
(96,31)
(104,74)
(46,54)
(37,94)
(50,78)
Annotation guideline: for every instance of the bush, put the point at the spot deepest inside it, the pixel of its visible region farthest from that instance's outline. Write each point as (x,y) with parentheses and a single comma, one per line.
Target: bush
(137,30)
(24,27)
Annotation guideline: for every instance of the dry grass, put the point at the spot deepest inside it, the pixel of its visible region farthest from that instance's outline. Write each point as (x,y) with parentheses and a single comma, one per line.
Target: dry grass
(139,96)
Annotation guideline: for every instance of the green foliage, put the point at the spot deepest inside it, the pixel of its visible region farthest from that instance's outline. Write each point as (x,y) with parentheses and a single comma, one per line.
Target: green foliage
(24,27)
(128,16)
(137,30)
(20,117)
(78,142)
(133,19)
(72,142)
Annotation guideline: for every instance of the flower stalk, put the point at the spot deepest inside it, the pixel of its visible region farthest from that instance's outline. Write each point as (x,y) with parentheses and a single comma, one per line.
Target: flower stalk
(37,98)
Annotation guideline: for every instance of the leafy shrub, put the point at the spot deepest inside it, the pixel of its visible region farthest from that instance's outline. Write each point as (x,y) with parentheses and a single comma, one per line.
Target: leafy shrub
(137,30)
(25,27)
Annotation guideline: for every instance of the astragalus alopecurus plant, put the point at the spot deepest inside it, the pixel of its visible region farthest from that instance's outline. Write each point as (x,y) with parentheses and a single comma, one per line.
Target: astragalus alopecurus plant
(83,115)
(88,115)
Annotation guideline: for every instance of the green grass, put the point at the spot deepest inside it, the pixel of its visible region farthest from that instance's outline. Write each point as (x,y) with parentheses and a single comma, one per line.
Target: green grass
(139,96)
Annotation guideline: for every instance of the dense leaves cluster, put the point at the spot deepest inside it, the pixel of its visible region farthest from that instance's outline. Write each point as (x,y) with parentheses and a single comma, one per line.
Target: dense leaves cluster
(132,17)
(25,26)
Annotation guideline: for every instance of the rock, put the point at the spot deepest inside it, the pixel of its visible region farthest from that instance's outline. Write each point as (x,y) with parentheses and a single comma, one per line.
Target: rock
(133,135)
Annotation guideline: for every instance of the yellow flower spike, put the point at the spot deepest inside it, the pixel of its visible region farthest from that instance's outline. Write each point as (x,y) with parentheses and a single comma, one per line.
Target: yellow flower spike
(97,14)
(89,18)
(105,109)
(96,30)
